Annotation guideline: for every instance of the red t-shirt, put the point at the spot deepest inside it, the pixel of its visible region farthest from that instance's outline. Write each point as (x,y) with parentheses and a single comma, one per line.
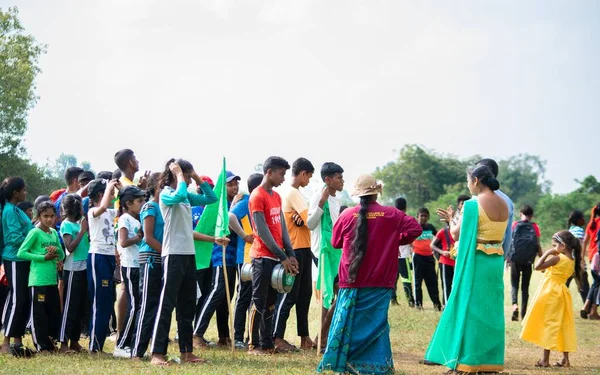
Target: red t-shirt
(441,238)
(270,206)
(422,245)
(387,229)
(593,236)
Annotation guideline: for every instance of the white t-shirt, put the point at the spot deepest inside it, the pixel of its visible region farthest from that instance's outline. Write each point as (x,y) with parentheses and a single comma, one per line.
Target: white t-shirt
(102,231)
(404,251)
(130,256)
(314,219)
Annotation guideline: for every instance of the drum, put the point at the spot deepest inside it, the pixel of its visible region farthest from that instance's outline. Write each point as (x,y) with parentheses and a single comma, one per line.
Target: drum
(246,272)
(280,280)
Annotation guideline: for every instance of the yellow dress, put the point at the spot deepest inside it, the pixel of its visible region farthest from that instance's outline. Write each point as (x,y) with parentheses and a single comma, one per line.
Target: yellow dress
(549,322)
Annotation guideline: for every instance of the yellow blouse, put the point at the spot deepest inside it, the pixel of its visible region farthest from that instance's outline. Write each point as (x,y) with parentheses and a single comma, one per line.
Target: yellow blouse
(490,233)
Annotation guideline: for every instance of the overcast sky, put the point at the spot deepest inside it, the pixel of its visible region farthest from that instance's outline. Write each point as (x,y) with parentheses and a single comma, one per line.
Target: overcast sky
(343,81)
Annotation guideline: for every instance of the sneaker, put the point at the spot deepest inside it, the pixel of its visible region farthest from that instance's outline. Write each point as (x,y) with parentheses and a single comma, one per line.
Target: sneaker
(411,304)
(122,352)
(515,315)
(241,345)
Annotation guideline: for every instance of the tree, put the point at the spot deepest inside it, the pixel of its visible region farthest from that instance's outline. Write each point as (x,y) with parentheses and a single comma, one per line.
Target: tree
(589,185)
(522,178)
(19,58)
(420,175)
(38,180)
(64,162)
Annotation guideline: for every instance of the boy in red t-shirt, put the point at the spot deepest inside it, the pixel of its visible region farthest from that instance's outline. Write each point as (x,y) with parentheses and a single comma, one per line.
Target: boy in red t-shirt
(271,246)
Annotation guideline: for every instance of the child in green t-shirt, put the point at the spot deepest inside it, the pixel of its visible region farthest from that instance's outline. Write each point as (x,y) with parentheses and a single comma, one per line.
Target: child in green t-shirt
(42,248)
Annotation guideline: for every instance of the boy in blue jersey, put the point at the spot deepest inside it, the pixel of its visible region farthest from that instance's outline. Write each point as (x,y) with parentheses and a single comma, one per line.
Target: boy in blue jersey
(216,299)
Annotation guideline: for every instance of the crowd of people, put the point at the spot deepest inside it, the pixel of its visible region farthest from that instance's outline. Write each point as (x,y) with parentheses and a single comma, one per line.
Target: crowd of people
(110,253)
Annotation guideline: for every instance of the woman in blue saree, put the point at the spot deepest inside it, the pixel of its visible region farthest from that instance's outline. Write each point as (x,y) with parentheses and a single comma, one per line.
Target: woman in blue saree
(369,235)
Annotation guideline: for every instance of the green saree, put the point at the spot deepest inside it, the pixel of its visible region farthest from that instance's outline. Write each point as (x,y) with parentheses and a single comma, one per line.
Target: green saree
(470,334)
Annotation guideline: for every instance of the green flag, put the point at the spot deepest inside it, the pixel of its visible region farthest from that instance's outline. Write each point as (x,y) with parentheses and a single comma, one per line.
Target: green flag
(213,222)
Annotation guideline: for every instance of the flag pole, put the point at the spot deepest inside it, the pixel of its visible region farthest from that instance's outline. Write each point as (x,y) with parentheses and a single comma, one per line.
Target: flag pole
(322,276)
(228,301)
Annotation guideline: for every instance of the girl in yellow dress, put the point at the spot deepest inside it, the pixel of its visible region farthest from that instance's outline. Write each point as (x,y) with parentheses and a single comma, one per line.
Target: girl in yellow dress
(550,323)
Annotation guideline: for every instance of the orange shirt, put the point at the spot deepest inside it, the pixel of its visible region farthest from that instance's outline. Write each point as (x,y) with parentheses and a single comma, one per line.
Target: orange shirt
(293,203)
(270,206)
(593,236)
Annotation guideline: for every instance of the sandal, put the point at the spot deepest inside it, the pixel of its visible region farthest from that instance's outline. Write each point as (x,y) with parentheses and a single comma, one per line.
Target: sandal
(584,314)
(515,315)
(539,364)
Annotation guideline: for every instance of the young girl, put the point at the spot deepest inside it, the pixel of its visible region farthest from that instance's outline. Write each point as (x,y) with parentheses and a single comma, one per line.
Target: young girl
(179,263)
(74,232)
(130,234)
(42,248)
(549,323)
(576,225)
(15,227)
(101,259)
(150,267)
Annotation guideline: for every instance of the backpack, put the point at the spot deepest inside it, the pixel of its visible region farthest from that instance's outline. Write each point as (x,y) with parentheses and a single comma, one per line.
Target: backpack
(524,245)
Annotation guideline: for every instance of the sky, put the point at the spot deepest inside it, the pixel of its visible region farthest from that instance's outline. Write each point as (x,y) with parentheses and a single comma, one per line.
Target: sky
(343,81)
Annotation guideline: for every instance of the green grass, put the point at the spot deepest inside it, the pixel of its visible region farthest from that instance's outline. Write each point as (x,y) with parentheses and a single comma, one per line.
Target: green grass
(411,331)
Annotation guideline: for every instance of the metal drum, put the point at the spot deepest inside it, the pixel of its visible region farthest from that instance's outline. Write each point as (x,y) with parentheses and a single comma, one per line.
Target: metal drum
(246,272)
(282,281)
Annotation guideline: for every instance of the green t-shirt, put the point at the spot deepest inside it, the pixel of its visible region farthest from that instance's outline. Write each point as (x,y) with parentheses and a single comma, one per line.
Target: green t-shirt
(43,272)
(81,251)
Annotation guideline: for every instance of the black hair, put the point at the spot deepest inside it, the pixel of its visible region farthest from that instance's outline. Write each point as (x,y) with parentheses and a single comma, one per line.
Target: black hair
(117,174)
(25,205)
(153,185)
(491,164)
(105,175)
(527,210)
(86,176)
(485,175)
(423,210)
(361,238)
(43,206)
(575,217)
(9,187)
(329,169)
(595,214)
(71,207)
(400,204)
(168,178)
(254,181)
(275,163)
(123,200)
(342,208)
(122,158)
(72,173)
(462,198)
(302,164)
(572,243)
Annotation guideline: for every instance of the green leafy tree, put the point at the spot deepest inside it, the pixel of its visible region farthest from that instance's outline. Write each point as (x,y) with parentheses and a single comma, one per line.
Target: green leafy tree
(589,185)
(19,65)
(37,178)
(522,178)
(66,161)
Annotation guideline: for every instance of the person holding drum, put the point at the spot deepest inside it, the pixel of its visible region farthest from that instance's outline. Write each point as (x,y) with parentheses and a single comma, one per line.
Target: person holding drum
(271,246)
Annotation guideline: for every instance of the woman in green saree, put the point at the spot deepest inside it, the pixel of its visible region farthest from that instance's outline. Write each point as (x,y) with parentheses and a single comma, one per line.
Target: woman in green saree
(469,337)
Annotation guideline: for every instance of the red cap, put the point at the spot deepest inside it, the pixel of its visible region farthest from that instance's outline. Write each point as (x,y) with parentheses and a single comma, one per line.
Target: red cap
(209,180)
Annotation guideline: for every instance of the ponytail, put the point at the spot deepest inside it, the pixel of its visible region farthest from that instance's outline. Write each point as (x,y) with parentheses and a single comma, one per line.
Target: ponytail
(168,178)
(359,245)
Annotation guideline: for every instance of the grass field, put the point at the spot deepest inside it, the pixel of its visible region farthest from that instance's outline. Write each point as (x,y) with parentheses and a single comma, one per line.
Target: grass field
(411,331)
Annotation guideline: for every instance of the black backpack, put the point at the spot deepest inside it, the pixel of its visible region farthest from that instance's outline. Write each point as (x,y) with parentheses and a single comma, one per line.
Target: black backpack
(524,245)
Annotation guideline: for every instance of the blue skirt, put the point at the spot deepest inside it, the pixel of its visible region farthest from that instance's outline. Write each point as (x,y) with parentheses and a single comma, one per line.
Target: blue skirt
(359,337)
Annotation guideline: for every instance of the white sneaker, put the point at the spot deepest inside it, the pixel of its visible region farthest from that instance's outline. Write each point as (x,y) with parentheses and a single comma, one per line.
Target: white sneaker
(122,353)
